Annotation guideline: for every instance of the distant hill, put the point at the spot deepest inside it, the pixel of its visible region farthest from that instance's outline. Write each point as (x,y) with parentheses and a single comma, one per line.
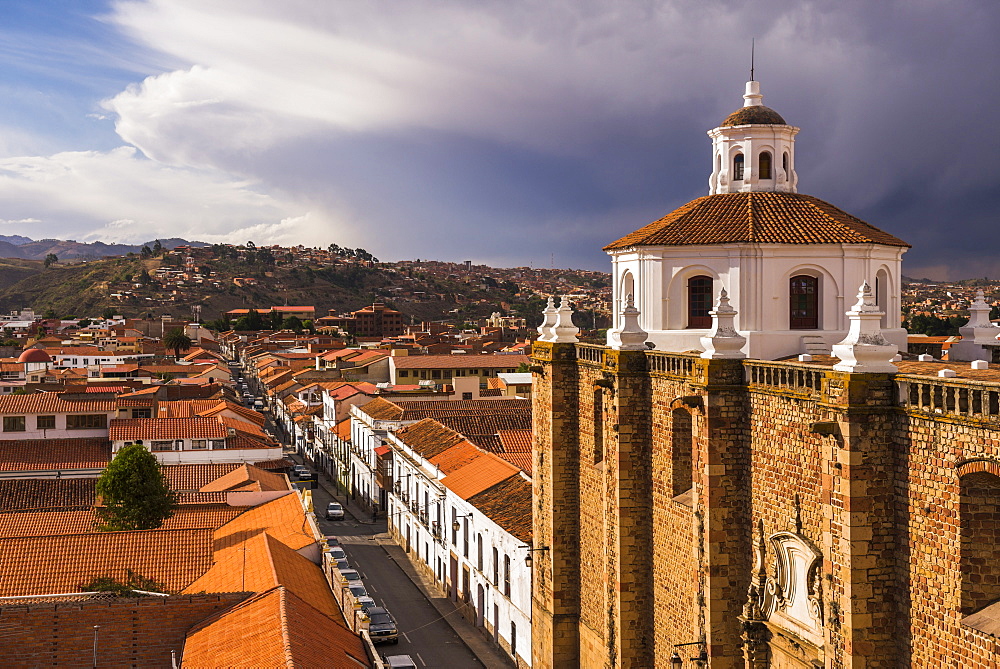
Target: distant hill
(16,246)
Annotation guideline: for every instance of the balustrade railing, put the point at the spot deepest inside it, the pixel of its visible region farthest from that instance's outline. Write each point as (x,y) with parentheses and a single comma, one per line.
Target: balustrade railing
(593,353)
(674,364)
(956,398)
(783,376)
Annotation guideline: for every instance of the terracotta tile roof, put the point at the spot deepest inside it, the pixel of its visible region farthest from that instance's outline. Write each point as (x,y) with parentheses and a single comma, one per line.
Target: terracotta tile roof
(261,563)
(458,456)
(46,523)
(245,412)
(382,409)
(243,426)
(284,518)
(54,403)
(480,474)
(52,522)
(203,498)
(428,437)
(21,494)
(165,428)
(268,481)
(344,430)
(280,463)
(194,477)
(488,423)
(273,629)
(184,408)
(463,361)
(35,454)
(54,564)
(762,218)
(508,504)
(515,448)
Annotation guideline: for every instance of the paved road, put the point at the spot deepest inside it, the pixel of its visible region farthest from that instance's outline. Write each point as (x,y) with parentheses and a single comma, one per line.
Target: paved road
(423,634)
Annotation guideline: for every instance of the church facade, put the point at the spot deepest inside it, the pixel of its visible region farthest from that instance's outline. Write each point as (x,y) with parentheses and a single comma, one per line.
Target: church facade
(705,504)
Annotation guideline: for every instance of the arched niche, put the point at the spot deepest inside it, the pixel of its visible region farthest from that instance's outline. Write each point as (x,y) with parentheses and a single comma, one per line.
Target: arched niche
(675,316)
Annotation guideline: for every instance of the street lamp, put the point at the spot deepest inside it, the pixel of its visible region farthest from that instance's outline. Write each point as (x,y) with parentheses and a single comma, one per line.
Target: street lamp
(455,525)
(527,558)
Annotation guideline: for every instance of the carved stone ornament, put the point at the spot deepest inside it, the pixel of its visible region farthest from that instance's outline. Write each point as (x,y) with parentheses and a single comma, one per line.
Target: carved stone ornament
(563,331)
(864,349)
(723,341)
(978,333)
(548,321)
(788,601)
(630,336)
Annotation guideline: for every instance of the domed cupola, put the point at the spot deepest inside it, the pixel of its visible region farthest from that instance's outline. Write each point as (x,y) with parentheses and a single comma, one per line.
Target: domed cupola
(753,149)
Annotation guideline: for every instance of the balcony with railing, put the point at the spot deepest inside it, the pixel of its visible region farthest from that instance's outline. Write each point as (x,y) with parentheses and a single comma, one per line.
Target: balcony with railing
(953,398)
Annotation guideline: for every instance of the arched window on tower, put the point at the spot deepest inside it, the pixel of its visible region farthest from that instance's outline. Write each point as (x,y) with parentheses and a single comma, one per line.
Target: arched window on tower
(699,302)
(784,165)
(803,303)
(764,165)
(980,536)
(682,460)
(882,296)
(738,167)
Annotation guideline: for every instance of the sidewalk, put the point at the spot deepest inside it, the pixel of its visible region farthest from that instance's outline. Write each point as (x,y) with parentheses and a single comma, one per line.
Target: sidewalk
(471,636)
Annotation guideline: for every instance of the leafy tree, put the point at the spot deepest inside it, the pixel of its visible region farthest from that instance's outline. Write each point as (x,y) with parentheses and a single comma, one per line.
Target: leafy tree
(523,367)
(49,259)
(108,313)
(146,252)
(292,323)
(177,340)
(134,581)
(134,492)
(157,248)
(253,321)
(83,323)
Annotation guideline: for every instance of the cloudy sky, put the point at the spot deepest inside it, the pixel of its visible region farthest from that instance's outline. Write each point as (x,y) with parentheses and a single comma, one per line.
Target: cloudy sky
(501,132)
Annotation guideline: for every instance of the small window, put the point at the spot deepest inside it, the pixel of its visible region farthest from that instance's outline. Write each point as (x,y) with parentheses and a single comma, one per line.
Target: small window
(86,421)
(784,165)
(513,639)
(803,301)
(13,424)
(465,537)
(436,374)
(466,396)
(479,552)
(217,444)
(403,373)
(699,302)
(738,167)
(199,445)
(46,423)
(162,446)
(496,566)
(764,163)
(506,575)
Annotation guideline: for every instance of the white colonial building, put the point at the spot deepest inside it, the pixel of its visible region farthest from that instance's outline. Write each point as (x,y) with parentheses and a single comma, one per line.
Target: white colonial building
(791,263)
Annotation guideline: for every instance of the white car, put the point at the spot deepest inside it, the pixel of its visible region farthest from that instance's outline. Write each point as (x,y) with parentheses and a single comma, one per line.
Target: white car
(334,511)
(400,662)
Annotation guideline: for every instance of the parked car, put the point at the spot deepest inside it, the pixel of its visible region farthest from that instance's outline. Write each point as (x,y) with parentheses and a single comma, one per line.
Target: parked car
(334,511)
(342,564)
(367,604)
(352,576)
(400,662)
(358,591)
(381,626)
(300,470)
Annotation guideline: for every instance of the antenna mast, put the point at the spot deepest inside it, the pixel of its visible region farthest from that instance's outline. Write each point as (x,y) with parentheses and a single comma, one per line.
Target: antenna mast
(753,41)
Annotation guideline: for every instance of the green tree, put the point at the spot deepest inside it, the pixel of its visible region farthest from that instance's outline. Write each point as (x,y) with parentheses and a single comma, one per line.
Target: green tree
(49,259)
(134,581)
(177,340)
(292,323)
(108,313)
(134,492)
(146,252)
(157,248)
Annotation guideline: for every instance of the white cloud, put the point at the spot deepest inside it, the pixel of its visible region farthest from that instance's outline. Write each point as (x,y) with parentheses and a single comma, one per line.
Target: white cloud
(119,196)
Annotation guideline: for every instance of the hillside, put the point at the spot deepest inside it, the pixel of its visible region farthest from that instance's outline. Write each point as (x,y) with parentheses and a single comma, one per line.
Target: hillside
(16,246)
(218,281)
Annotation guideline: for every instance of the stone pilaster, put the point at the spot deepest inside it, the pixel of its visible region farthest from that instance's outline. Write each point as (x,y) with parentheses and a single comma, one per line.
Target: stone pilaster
(629,490)
(723,505)
(860,544)
(556,482)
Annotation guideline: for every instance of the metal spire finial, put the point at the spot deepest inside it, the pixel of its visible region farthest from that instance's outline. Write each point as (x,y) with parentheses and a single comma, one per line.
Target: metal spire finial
(753,41)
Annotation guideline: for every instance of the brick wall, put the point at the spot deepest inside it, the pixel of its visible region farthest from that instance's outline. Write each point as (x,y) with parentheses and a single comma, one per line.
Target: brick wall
(894,498)
(138,632)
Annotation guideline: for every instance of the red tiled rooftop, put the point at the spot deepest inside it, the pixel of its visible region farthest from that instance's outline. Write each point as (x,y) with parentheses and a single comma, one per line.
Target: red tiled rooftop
(34,403)
(39,454)
(64,563)
(165,428)
(463,361)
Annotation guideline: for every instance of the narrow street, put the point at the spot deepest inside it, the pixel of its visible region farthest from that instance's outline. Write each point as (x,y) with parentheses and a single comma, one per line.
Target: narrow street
(423,634)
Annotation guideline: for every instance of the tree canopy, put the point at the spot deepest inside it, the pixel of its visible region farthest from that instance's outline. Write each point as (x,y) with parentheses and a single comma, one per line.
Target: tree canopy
(177,340)
(134,492)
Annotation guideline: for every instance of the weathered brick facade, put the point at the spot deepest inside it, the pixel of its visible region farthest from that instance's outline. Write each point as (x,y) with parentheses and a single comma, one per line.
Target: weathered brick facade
(832,519)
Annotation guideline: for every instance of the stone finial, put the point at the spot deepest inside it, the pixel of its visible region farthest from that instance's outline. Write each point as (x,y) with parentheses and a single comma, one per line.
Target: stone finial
(564,332)
(630,336)
(549,320)
(864,349)
(976,334)
(723,341)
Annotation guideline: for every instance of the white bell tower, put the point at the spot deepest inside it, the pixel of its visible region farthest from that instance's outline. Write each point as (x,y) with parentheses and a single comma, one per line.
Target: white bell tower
(753,150)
